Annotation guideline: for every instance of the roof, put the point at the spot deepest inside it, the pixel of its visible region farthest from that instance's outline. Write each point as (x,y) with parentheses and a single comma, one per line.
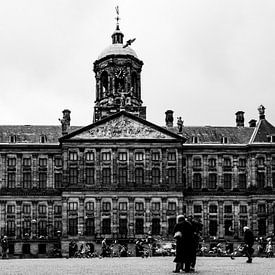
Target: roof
(117,49)
(262,131)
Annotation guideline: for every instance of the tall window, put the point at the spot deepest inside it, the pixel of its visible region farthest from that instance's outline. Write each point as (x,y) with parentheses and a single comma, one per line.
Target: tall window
(10,208)
(73,206)
(171,156)
(42,209)
(42,162)
(171,225)
(242,181)
(139,156)
(261,179)
(213,208)
(11,228)
(27,181)
(227,162)
(11,162)
(89,227)
(172,175)
(42,228)
(73,175)
(155,226)
(197,208)
(212,163)
(123,206)
(197,181)
(106,156)
(228,209)
(72,226)
(26,209)
(228,227)
(260,161)
(90,176)
(243,209)
(57,162)
(89,156)
(122,176)
(197,162)
(57,209)
(155,176)
(227,181)
(139,226)
(11,180)
(90,206)
(139,206)
(172,206)
(212,181)
(106,176)
(122,226)
(106,206)
(106,226)
(26,162)
(261,208)
(73,156)
(242,163)
(42,180)
(57,225)
(139,176)
(243,223)
(155,156)
(122,156)
(26,227)
(262,227)
(155,206)
(213,227)
(57,180)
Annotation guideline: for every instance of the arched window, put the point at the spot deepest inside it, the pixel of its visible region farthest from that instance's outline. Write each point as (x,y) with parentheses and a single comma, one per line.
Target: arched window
(104,84)
(134,83)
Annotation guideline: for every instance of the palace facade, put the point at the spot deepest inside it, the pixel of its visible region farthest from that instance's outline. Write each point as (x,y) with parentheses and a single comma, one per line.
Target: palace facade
(123,177)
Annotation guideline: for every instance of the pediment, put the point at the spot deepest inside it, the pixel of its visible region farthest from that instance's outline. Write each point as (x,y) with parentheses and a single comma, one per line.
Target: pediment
(122,127)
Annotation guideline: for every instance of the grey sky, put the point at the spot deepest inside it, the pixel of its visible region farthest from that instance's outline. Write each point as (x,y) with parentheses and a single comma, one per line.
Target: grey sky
(203,59)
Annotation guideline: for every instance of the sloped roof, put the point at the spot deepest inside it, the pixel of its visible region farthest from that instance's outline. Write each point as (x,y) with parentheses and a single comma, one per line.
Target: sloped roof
(262,131)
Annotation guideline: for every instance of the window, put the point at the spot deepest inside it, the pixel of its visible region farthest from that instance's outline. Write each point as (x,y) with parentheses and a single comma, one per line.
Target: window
(195,139)
(90,176)
(89,227)
(260,161)
(243,209)
(43,139)
(11,180)
(261,208)
(171,225)
(10,228)
(227,181)
(13,139)
(139,206)
(122,176)
(171,156)
(58,162)
(155,156)
(42,228)
(228,209)
(26,227)
(89,156)
(106,156)
(106,206)
(139,176)
(139,156)
(42,180)
(57,209)
(42,162)
(228,230)
(172,206)
(57,225)
(212,163)
(155,206)
(212,181)
(197,162)
(26,209)
(73,175)
(155,176)
(73,206)
(90,206)
(213,227)
(262,227)
(106,176)
(122,156)
(197,208)
(42,209)
(57,180)
(242,163)
(172,175)
(123,206)
(122,229)
(212,208)
(10,208)
(242,181)
(139,226)
(72,226)
(73,156)
(106,226)
(26,162)
(224,140)
(197,181)
(260,180)
(155,226)
(11,162)
(243,223)
(27,181)
(227,162)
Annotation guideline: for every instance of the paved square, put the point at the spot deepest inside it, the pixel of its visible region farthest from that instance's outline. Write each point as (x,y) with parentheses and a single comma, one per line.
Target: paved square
(134,266)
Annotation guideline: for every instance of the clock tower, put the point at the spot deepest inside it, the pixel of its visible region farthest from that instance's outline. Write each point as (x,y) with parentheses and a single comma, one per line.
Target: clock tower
(117,71)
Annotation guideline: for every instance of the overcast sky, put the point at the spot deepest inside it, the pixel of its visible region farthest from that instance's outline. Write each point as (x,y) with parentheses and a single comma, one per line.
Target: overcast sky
(204,59)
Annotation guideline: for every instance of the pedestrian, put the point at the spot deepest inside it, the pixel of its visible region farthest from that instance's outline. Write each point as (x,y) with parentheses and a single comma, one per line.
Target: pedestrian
(5,246)
(104,248)
(249,241)
(183,233)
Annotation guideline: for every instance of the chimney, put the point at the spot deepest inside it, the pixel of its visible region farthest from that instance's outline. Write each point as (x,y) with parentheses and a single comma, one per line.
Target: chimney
(261,110)
(65,121)
(252,123)
(240,119)
(169,118)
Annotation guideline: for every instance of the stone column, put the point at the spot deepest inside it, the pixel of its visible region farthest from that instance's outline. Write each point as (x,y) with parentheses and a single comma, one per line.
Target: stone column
(81,217)
(131,217)
(220,220)
(64,218)
(147,225)
(236,218)
(164,222)
(98,217)
(50,219)
(34,222)
(205,219)
(18,220)
(114,221)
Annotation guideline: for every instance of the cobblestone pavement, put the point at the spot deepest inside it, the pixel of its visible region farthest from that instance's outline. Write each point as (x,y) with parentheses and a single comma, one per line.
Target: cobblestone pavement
(134,266)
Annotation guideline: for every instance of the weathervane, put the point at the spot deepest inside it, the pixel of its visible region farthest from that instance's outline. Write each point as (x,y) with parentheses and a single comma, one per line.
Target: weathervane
(117,17)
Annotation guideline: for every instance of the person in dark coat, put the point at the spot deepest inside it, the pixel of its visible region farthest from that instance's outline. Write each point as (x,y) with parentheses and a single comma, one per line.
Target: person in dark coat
(5,246)
(183,233)
(249,241)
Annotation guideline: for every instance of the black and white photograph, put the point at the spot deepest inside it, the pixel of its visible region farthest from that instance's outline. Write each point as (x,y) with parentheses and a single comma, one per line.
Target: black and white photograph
(137,137)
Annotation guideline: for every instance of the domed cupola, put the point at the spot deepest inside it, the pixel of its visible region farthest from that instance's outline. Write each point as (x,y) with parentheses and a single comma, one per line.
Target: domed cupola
(117,71)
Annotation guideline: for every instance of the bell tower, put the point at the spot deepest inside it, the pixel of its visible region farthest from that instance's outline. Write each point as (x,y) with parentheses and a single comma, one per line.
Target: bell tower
(117,72)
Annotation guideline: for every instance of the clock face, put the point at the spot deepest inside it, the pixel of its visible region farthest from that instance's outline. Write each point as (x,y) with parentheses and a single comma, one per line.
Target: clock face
(120,73)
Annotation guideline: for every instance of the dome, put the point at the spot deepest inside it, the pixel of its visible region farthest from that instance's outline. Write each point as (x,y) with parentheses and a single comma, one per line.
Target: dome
(117,49)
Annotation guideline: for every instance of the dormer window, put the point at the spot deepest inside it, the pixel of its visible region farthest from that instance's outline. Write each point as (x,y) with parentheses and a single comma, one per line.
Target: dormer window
(271,138)
(224,140)
(43,139)
(13,139)
(195,139)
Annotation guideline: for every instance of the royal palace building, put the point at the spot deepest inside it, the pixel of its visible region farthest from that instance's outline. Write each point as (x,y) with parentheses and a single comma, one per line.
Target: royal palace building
(123,177)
